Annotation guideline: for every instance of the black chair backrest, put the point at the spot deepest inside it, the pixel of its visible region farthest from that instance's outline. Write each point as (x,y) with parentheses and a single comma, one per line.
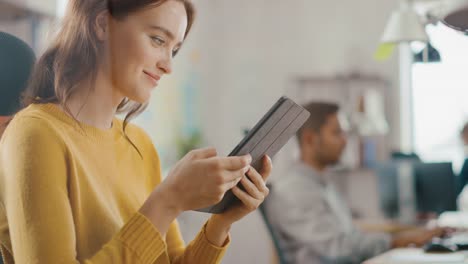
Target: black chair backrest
(16,63)
(274,235)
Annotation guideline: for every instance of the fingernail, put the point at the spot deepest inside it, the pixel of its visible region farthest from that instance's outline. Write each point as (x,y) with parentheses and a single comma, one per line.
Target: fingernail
(249,158)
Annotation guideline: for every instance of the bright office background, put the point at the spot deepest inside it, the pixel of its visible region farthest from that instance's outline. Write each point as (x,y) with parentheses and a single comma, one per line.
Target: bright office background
(440,92)
(243,55)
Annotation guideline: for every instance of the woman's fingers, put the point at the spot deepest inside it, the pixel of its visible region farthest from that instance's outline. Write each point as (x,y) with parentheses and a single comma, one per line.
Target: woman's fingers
(254,184)
(266,168)
(258,180)
(251,189)
(249,202)
(229,185)
(204,153)
(239,174)
(232,170)
(233,163)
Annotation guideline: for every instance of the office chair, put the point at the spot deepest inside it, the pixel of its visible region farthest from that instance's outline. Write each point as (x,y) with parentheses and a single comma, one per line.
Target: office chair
(16,63)
(273,233)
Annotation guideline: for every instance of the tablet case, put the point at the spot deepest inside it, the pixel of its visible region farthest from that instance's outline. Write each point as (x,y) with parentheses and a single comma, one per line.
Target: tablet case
(267,137)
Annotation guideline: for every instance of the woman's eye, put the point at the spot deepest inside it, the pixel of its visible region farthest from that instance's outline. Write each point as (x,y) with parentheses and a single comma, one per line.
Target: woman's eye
(158,40)
(174,52)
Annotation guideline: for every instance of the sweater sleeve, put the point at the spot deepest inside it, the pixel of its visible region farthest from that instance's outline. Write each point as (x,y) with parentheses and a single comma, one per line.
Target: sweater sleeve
(33,178)
(200,250)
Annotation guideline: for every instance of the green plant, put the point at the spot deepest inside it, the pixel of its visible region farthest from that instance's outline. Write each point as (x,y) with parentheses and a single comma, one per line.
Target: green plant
(187,143)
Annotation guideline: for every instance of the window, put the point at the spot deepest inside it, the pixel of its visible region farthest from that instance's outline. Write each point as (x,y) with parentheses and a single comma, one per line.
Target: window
(440,98)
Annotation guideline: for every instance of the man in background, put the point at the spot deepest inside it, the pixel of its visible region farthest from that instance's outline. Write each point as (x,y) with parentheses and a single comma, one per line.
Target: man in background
(16,63)
(314,224)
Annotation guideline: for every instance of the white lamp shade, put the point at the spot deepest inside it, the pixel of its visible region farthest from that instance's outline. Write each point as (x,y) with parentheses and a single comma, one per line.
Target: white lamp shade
(404,26)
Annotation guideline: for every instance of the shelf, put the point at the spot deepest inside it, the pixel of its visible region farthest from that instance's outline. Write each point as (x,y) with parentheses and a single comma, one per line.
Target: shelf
(355,77)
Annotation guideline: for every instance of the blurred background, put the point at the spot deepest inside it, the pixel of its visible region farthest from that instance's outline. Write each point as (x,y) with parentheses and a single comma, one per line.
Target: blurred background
(400,97)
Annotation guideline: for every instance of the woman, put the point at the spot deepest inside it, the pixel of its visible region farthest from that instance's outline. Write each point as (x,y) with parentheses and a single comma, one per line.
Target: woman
(81,186)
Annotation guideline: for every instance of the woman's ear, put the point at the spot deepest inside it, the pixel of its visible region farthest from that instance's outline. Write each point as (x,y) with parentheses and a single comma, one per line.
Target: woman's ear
(101,25)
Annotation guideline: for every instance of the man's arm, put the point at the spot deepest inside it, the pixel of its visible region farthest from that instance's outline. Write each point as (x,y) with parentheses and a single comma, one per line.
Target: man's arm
(302,212)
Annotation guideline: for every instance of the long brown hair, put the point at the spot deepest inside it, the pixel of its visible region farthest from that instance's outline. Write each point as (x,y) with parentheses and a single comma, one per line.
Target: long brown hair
(73,56)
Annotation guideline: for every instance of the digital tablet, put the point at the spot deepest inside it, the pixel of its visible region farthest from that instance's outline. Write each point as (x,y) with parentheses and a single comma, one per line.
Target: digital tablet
(267,137)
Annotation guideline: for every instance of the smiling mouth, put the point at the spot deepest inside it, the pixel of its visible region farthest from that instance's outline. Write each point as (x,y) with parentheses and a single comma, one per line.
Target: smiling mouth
(153,77)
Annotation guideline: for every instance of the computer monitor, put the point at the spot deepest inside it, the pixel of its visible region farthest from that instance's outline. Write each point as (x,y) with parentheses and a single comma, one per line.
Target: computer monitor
(435,185)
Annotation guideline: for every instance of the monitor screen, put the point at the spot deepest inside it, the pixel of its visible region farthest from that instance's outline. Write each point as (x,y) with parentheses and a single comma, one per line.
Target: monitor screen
(435,185)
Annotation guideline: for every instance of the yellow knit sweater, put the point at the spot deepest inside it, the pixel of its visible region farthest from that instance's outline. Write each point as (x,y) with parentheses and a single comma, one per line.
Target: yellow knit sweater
(70,194)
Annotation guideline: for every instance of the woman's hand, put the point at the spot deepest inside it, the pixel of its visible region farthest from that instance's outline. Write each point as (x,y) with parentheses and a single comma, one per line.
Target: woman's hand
(255,193)
(199,180)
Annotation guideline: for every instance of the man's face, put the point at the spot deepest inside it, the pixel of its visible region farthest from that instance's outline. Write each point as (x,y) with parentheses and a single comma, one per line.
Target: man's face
(329,142)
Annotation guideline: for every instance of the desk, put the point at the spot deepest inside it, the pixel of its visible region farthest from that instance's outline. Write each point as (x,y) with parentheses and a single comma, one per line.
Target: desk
(417,256)
(457,220)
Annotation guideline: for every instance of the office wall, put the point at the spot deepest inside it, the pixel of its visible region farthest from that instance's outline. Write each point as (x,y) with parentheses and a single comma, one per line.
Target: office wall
(247,53)
(249,50)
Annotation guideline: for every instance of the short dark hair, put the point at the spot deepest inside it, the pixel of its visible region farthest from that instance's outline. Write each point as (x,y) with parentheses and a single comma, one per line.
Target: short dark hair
(319,112)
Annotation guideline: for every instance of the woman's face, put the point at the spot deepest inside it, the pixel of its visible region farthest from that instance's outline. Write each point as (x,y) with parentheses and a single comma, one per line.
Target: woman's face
(141,48)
